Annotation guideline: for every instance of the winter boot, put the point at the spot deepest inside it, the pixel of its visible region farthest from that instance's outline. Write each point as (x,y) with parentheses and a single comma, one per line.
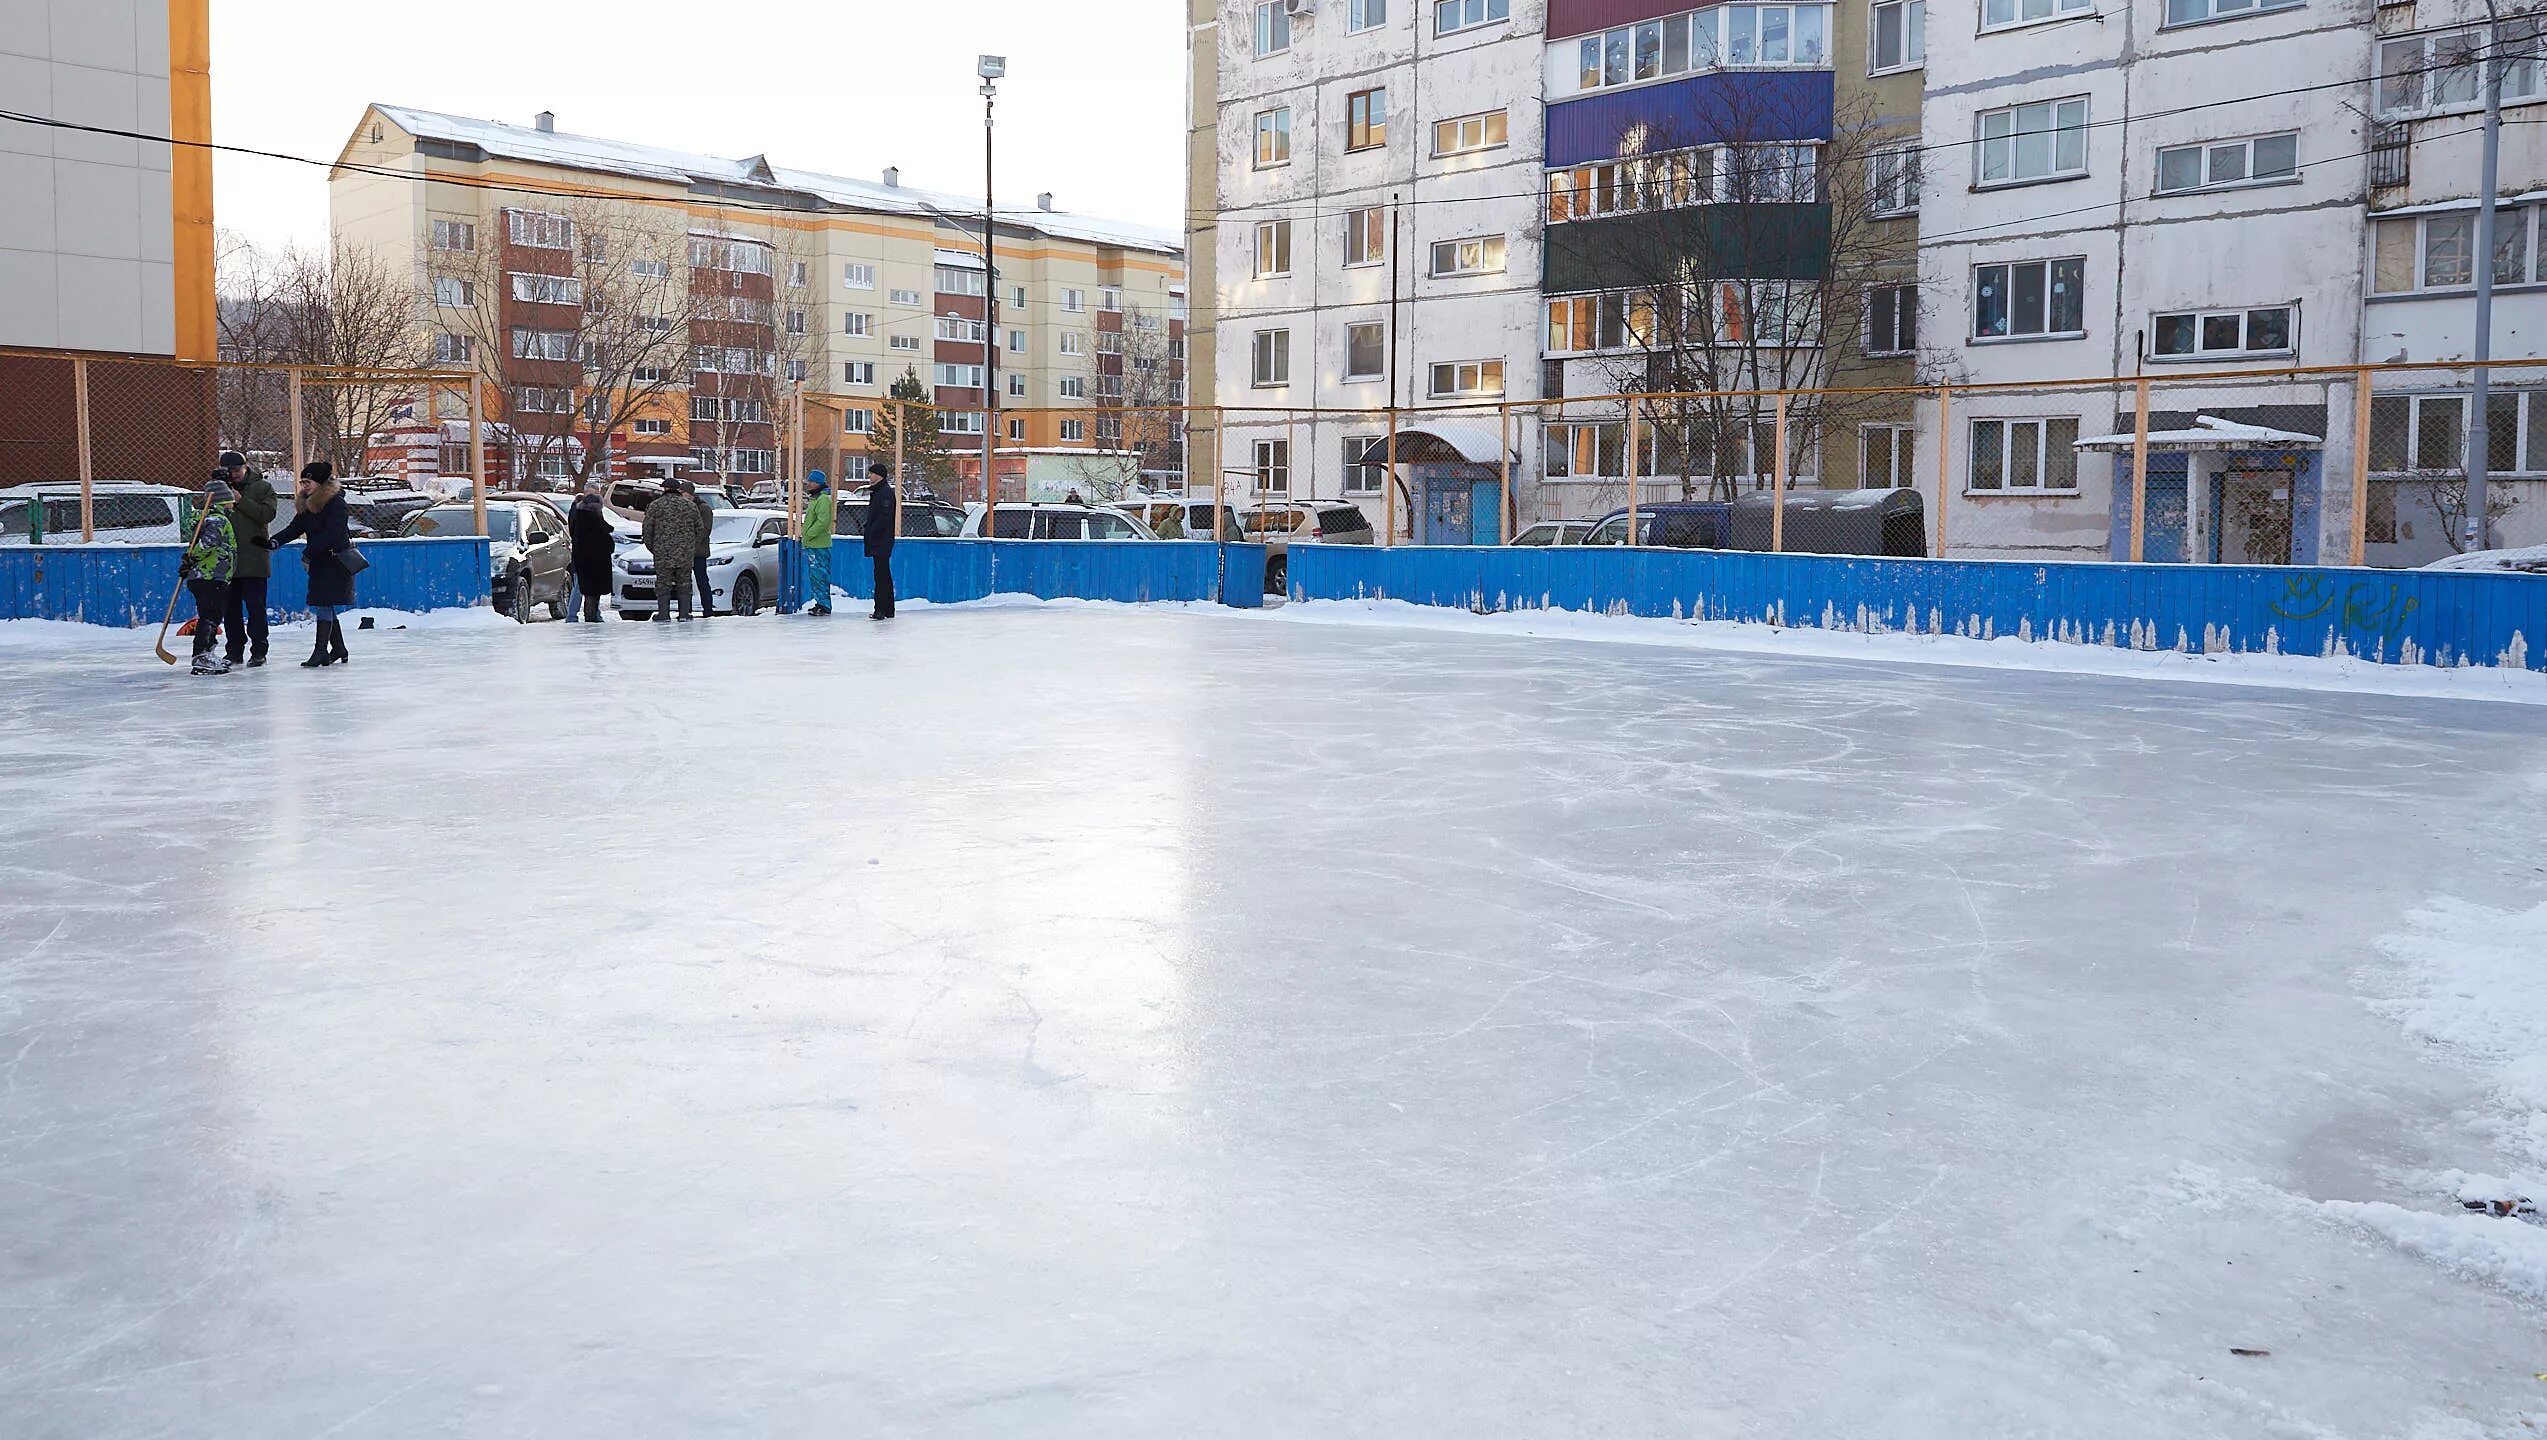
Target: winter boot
(318,649)
(336,643)
(207,663)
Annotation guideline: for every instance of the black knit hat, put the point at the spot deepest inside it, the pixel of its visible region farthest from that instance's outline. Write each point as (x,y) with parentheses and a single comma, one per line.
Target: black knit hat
(231,460)
(318,470)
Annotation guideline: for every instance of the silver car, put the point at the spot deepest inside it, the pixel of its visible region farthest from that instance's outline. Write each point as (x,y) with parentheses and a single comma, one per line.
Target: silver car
(742,567)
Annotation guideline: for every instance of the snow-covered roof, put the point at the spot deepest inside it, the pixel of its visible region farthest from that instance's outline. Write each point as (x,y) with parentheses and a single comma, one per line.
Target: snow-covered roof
(2210,432)
(677,167)
(1437,440)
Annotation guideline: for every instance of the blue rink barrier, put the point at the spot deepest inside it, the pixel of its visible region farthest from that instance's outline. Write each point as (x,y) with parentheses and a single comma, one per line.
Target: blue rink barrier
(2407,617)
(1133,571)
(129,585)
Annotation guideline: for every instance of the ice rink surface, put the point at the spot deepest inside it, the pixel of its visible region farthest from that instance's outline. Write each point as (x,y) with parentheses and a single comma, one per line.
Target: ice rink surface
(1086,1022)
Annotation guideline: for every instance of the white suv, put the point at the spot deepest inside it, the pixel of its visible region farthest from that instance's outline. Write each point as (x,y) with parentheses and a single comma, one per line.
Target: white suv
(1056,522)
(1278,525)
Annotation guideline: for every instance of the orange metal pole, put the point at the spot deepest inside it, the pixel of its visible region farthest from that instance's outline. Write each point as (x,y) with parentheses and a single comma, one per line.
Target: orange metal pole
(1945,467)
(1777,483)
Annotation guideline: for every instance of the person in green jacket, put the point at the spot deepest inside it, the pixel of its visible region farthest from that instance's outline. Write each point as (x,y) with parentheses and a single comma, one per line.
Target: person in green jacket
(206,568)
(815,537)
(251,515)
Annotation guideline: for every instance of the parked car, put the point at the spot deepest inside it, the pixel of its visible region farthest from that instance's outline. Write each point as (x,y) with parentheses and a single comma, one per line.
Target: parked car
(527,551)
(1153,510)
(1278,526)
(633,496)
(763,495)
(2526,560)
(1057,522)
(124,512)
(1818,522)
(742,567)
(922,519)
(369,509)
(1555,532)
(1672,524)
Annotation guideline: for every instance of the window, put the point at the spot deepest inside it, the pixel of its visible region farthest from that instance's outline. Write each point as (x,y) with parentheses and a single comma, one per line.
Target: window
(649,375)
(548,289)
(1892,180)
(1898,40)
(1016,385)
(1273,138)
(2036,455)
(1885,458)
(858,324)
(2263,160)
(2186,335)
(2443,71)
(1272,358)
(1482,255)
(457,236)
(651,427)
(858,372)
(596,249)
(1074,301)
(1110,297)
(1366,119)
(1892,319)
(906,297)
(959,377)
(1744,35)
(1366,236)
(2031,297)
(960,330)
(742,257)
(2192,12)
(1273,27)
(1450,16)
(1468,133)
(1998,13)
(543,400)
(1365,351)
(2429,433)
(1767,313)
(1016,342)
(1074,387)
(1468,377)
(1273,248)
(1273,467)
(453,350)
(1365,15)
(1016,297)
(1361,477)
(454,294)
(1074,430)
(858,420)
(538,230)
(650,269)
(797,275)
(796,320)
(858,277)
(1017,429)
(2438,252)
(2033,142)
(956,280)
(798,370)
(1584,450)
(1782,171)
(543,345)
(1109,342)
(1073,343)
(711,408)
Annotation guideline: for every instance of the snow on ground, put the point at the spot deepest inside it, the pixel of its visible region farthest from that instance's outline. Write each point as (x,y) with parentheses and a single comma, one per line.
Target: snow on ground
(1066,1020)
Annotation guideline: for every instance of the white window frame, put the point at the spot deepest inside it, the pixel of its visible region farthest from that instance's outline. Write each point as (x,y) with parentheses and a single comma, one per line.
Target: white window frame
(855,276)
(2205,152)
(2017,16)
(1366,236)
(857,372)
(906,297)
(1913,32)
(2045,432)
(534,289)
(1891,345)
(650,426)
(857,420)
(2437,72)
(955,375)
(1892,180)
(1074,387)
(1901,449)
(1361,15)
(903,342)
(957,330)
(450,292)
(1074,430)
(1360,478)
(450,349)
(1273,138)
(539,230)
(464,232)
(2219,10)
(1359,326)
(1489,253)
(1074,301)
(2520,233)
(1269,360)
(1273,28)
(1479,378)
(1273,249)
(1073,342)
(1695,42)
(1451,136)
(2201,320)
(1457,17)
(1973,330)
(2442,416)
(548,345)
(2019,129)
(1273,467)
(857,325)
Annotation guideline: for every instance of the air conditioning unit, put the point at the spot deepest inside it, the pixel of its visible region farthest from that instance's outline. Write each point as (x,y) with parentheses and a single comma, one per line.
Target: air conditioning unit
(1299,9)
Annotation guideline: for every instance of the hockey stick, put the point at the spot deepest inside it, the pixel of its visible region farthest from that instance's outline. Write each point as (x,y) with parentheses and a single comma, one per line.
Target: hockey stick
(171,617)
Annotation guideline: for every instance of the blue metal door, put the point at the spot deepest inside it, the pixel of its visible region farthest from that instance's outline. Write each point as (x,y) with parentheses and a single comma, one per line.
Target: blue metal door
(1485,512)
(2162,541)
(1446,518)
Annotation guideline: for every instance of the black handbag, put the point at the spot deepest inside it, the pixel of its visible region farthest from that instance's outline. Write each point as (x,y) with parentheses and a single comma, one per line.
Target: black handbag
(354,561)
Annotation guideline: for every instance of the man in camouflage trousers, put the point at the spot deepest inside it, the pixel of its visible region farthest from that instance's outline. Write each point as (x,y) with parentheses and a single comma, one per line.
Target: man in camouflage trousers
(675,536)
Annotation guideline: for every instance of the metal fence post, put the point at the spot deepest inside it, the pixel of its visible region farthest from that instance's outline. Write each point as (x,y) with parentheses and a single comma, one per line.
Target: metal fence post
(1388,487)
(1220,481)
(300,431)
(1777,486)
(88,458)
(2139,469)
(796,459)
(1945,459)
(2360,466)
(477,453)
(1634,457)
(1505,519)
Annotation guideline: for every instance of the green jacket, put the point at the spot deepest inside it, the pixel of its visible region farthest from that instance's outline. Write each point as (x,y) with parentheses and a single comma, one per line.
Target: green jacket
(215,553)
(250,516)
(817,532)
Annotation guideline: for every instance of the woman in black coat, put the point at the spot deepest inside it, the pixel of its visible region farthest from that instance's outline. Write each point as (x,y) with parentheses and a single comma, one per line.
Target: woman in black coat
(322,521)
(590,541)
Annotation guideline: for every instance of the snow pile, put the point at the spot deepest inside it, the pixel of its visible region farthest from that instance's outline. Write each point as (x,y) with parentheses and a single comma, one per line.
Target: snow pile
(2466,978)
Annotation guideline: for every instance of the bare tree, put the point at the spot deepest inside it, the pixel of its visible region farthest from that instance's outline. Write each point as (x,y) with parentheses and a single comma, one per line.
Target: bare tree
(1728,270)
(597,334)
(1135,425)
(2446,493)
(344,315)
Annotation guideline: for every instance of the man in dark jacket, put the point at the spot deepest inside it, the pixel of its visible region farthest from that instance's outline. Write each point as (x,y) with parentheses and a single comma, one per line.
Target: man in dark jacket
(882,511)
(251,515)
(589,542)
(699,563)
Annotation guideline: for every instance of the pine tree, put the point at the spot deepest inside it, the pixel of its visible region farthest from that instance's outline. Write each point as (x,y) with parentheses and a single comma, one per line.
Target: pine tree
(923,446)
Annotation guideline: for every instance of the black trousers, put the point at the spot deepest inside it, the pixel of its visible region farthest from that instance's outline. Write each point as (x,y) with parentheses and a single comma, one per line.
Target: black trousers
(243,628)
(884,585)
(212,602)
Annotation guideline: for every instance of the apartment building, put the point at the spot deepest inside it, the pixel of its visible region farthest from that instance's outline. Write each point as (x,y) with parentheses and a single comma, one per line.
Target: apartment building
(574,273)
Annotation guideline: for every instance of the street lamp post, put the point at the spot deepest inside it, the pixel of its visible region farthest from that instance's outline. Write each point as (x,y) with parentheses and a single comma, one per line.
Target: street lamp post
(992,69)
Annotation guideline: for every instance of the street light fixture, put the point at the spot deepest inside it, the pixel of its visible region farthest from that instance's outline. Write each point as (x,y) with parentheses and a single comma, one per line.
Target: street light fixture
(992,69)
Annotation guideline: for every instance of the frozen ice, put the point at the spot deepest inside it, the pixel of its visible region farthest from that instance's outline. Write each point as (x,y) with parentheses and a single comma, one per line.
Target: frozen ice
(1040,1021)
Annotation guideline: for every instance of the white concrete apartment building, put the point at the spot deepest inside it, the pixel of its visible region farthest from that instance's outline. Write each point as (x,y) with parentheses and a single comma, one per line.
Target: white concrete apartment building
(1365,144)
(2420,304)
(2095,203)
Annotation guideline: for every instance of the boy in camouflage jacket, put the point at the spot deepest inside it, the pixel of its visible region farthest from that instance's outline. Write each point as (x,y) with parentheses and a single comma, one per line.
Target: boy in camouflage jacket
(209,565)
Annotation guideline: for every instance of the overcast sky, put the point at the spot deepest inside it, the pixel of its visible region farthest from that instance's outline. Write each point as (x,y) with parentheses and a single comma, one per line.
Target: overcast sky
(1093,108)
